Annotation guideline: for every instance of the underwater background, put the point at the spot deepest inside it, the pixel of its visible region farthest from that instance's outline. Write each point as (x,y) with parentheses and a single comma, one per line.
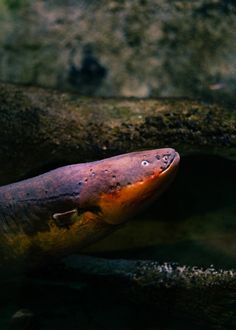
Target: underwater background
(121,48)
(138,49)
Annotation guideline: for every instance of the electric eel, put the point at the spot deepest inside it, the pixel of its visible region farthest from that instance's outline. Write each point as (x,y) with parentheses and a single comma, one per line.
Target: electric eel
(66,209)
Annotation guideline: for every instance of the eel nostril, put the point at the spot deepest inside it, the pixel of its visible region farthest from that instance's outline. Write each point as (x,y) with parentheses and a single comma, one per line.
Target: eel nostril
(166,158)
(158,157)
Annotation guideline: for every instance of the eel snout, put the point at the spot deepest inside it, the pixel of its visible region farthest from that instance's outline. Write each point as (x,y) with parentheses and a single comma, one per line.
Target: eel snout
(151,174)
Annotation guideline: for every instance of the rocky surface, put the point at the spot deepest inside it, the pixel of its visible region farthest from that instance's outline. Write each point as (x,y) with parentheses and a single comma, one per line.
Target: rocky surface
(44,129)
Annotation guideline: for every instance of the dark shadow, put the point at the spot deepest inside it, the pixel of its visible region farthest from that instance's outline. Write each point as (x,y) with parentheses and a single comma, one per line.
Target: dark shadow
(89,76)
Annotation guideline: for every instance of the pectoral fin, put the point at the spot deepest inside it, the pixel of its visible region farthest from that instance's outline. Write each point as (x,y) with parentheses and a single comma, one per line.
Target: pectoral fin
(65,219)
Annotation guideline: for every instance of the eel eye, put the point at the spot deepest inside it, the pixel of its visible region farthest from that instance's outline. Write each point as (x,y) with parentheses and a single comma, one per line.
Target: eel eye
(145,163)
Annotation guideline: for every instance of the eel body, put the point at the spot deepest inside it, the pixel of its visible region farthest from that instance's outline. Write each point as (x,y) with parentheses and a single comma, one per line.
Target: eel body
(66,209)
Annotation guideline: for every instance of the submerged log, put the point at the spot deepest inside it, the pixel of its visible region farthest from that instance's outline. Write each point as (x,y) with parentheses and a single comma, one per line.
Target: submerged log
(205,296)
(150,273)
(42,129)
(158,295)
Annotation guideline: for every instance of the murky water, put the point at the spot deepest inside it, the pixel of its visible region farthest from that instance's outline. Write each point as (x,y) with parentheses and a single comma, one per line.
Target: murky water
(142,49)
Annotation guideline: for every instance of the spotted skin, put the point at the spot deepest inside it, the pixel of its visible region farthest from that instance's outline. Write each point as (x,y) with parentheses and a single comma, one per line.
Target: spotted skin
(66,209)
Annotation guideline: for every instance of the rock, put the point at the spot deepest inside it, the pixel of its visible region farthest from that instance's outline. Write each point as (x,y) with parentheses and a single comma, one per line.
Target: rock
(41,130)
